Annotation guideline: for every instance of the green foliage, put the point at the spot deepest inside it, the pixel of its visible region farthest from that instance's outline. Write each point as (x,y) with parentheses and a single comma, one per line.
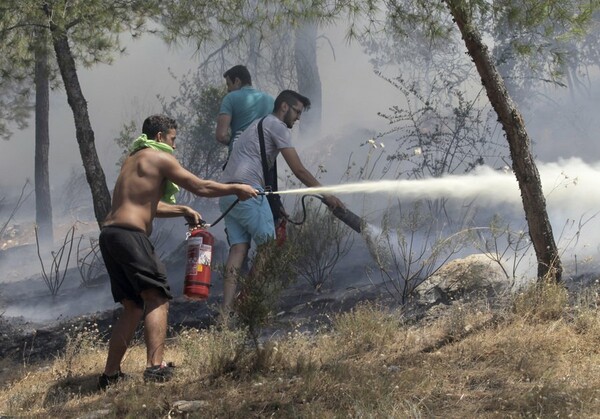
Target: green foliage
(545,41)
(16,67)
(533,41)
(15,104)
(93,28)
(259,291)
(127,135)
(200,21)
(261,35)
(428,19)
(195,109)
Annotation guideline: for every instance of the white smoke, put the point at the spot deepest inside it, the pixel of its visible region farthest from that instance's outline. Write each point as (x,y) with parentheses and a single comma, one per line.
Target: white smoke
(567,184)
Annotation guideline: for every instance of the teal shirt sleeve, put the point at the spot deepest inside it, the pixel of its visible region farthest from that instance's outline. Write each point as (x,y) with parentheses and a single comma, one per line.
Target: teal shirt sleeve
(226,105)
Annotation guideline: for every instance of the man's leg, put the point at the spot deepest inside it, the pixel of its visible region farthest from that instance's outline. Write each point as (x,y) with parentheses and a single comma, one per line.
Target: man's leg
(260,259)
(237,254)
(121,336)
(156,307)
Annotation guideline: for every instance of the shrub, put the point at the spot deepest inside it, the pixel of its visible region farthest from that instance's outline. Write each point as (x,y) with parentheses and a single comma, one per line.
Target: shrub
(322,240)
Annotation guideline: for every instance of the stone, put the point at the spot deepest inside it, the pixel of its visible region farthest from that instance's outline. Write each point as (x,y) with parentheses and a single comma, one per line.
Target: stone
(463,278)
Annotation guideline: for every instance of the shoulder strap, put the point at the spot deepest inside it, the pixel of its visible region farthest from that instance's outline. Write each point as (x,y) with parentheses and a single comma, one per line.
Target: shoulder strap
(269,175)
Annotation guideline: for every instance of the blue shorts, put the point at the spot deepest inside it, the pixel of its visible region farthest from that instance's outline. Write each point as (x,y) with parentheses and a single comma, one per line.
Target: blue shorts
(248,220)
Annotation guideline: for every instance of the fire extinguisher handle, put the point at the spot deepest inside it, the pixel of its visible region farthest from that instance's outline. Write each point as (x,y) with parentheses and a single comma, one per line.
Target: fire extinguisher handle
(201,224)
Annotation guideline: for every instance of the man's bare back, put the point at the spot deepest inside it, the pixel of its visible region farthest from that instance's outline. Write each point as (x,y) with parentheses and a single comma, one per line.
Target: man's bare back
(137,191)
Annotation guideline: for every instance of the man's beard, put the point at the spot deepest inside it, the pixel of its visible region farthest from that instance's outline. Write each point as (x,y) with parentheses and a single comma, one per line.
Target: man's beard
(287,119)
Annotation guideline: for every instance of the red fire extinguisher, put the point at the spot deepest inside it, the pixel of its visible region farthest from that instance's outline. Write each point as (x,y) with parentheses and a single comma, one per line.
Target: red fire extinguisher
(197,273)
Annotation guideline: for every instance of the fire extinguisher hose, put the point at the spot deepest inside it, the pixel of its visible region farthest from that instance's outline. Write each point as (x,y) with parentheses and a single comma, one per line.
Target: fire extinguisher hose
(204,224)
(319,197)
(344,215)
(223,215)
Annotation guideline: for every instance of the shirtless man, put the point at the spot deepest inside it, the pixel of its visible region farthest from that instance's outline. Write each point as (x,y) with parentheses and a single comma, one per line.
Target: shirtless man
(148,177)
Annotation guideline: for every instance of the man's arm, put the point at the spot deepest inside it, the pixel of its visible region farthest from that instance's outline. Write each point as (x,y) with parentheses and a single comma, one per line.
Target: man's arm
(164,210)
(293,160)
(222,131)
(172,170)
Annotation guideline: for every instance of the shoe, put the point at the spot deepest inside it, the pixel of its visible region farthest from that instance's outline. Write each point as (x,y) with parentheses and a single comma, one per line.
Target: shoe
(108,380)
(159,373)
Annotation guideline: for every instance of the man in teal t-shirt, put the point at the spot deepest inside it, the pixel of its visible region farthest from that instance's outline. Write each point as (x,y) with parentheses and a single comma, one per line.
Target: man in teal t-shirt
(241,106)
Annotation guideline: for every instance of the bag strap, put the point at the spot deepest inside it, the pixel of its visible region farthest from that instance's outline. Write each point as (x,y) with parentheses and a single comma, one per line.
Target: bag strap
(269,175)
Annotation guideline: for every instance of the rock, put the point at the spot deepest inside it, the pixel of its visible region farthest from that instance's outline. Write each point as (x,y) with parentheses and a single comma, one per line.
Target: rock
(462,278)
(185,406)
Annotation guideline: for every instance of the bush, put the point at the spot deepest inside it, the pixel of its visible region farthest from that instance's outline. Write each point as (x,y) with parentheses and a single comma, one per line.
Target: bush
(322,240)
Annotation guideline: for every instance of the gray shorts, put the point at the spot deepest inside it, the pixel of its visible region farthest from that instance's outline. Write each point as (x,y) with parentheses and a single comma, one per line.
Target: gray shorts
(132,264)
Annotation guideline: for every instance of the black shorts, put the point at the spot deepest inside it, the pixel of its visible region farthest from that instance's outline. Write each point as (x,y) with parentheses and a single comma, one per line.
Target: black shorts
(132,263)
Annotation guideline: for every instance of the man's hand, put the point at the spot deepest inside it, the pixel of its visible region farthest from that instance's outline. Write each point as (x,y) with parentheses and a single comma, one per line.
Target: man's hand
(192,216)
(245,192)
(332,202)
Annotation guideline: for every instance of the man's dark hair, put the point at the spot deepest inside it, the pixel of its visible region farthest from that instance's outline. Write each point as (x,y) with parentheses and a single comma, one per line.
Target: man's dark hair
(291,98)
(157,123)
(239,72)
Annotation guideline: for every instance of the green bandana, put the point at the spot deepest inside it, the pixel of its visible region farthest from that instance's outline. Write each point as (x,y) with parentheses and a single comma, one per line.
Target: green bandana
(143,142)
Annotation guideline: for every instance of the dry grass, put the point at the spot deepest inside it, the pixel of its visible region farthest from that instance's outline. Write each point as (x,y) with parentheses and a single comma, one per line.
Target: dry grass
(536,356)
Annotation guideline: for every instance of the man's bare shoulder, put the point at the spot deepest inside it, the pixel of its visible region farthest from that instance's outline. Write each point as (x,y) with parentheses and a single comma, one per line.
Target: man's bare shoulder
(148,162)
(151,156)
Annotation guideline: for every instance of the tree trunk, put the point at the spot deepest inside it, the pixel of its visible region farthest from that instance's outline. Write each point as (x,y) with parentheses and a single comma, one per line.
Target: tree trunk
(83,128)
(309,81)
(534,202)
(43,203)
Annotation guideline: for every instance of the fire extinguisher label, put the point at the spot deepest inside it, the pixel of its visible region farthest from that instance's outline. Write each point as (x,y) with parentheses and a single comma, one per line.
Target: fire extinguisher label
(205,255)
(198,255)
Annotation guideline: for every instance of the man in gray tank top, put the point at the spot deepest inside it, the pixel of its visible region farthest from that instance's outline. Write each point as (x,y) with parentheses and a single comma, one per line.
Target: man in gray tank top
(252,219)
